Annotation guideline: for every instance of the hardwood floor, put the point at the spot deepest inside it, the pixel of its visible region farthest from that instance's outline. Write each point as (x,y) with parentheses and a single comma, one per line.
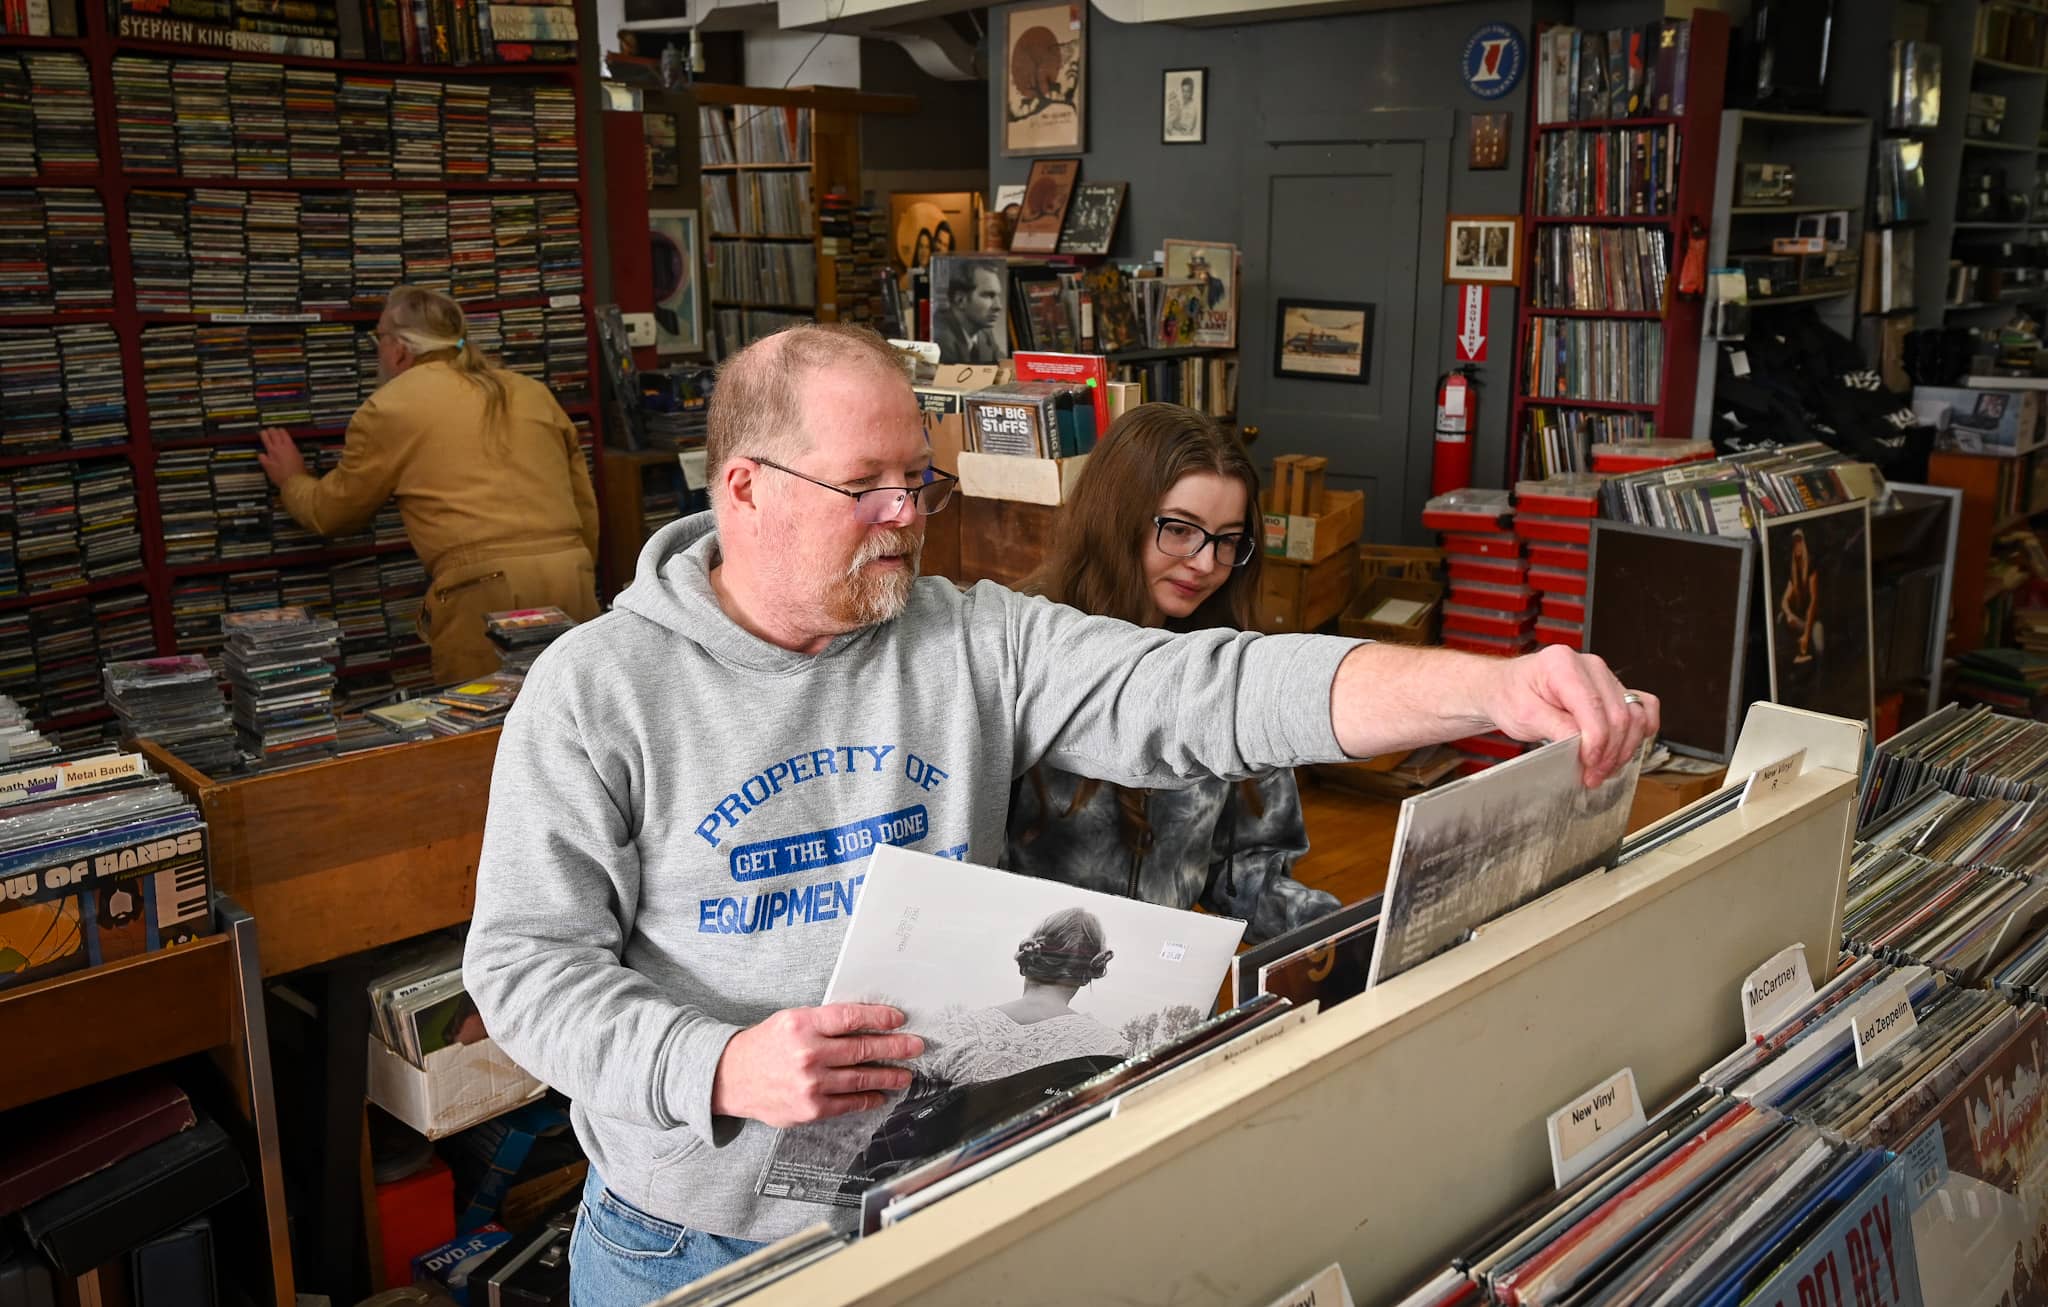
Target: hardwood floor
(1350,838)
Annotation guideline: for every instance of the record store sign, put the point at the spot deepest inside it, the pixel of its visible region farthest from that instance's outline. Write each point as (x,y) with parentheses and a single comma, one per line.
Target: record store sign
(1493,61)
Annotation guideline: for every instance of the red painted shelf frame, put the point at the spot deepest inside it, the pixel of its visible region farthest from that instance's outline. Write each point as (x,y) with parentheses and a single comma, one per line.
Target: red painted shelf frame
(100,45)
(1699,141)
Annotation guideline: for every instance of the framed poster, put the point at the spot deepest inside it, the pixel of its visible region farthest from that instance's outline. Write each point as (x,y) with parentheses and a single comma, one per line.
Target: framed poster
(1486,249)
(1817,586)
(678,299)
(664,163)
(1184,106)
(1045,75)
(1047,192)
(1091,217)
(1214,267)
(1323,340)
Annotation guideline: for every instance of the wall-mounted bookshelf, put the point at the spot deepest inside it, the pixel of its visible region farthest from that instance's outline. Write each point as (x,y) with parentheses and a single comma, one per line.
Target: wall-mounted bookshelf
(1603,339)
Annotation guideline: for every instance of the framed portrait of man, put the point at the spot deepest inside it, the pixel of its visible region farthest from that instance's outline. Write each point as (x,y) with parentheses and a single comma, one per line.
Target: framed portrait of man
(1184,96)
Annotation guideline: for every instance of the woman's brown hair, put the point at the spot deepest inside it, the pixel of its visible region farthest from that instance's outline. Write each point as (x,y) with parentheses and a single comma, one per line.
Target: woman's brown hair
(1100,537)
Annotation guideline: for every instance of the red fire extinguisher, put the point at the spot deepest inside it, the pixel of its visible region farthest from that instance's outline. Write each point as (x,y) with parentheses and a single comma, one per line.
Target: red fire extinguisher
(1457,412)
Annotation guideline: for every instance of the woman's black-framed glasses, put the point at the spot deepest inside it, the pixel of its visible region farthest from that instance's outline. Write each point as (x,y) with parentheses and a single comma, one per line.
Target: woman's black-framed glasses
(881,503)
(1183,539)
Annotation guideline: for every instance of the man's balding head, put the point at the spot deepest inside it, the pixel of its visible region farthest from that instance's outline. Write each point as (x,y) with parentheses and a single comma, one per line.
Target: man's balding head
(757,408)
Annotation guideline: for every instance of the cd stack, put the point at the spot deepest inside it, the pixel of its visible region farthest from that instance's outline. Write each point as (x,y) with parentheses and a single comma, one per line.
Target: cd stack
(516,224)
(403,582)
(196,608)
(1490,609)
(220,251)
(206,134)
(66,659)
(358,612)
(159,226)
(19,739)
(331,373)
(466,128)
(286,535)
(81,270)
(95,399)
(424,239)
(273,233)
(241,502)
(524,332)
(17,118)
(1554,519)
(46,531)
(561,244)
(568,355)
(326,251)
(109,529)
(416,128)
(475,705)
(24,254)
(256,101)
(471,247)
(365,105)
(512,138)
(31,391)
(484,333)
(379,234)
(146,115)
(312,121)
(184,497)
(176,702)
(554,126)
(310,588)
(280,664)
(227,382)
(170,383)
(521,634)
(278,360)
(10,575)
(65,136)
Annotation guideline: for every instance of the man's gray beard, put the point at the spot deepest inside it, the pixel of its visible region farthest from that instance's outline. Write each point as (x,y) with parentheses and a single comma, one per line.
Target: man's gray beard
(871,598)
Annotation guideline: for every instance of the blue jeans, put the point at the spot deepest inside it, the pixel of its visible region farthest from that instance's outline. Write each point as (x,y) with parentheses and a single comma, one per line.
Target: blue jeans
(622,1257)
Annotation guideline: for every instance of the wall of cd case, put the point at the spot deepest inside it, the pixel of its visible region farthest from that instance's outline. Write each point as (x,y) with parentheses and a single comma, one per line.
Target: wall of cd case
(53,251)
(47,124)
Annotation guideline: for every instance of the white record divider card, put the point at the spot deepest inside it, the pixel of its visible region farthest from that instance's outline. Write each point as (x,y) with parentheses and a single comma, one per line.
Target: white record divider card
(1882,1021)
(1325,1290)
(1586,1130)
(1775,990)
(1767,780)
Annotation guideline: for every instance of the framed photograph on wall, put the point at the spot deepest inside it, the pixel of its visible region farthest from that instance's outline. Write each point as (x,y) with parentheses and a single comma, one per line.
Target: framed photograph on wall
(1483,248)
(1045,77)
(1184,106)
(664,163)
(1323,340)
(678,295)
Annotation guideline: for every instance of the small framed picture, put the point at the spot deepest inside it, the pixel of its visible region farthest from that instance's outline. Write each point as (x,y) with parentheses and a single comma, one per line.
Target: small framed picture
(1483,248)
(1184,113)
(1323,340)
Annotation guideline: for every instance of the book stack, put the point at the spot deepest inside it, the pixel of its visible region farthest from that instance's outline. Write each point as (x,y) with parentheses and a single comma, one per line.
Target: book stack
(521,634)
(206,130)
(279,663)
(66,136)
(1554,520)
(416,128)
(145,114)
(170,383)
(312,121)
(256,105)
(261,28)
(365,105)
(512,133)
(176,702)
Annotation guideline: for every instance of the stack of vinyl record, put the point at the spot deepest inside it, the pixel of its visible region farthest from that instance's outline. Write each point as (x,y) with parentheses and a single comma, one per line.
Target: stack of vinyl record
(145,112)
(1971,751)
(521,634)
(176,702)
(1553,518)
(280,664)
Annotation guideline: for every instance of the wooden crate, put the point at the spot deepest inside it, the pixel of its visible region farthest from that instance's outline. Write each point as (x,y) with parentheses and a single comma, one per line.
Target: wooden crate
(1313,537)
(340,856)
(1002,540)
(1305,596)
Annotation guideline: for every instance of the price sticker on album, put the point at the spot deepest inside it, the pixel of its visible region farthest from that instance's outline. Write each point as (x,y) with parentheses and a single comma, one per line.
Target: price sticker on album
(1586,1130)
(565,301)
(1775,990)
(1765,781)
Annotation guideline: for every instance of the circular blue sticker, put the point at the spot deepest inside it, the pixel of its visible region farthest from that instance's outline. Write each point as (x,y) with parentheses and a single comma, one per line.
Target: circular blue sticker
(1493,61)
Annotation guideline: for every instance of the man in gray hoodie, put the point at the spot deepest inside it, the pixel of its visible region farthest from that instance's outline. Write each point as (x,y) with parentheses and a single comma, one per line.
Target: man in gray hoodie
(689,787)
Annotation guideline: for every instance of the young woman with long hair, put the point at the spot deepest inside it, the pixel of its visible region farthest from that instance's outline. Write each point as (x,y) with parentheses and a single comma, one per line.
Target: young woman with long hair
(1164,530)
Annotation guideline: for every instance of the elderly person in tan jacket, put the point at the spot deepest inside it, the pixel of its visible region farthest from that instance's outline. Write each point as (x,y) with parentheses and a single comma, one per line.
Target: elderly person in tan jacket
(490,481)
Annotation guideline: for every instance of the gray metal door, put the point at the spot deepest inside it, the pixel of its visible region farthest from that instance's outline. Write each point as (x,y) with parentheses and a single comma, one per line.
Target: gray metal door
(1346,222)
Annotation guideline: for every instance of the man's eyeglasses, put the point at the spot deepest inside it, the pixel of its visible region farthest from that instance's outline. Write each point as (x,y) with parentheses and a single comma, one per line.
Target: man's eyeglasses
(882,503)
(1182,539)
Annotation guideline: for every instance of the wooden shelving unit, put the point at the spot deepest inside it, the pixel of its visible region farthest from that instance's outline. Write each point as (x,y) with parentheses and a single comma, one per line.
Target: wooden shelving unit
(1698,129)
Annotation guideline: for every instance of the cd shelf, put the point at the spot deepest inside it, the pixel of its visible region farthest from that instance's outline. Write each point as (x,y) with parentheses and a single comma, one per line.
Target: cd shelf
(65,454)
(126,581)
(332,554)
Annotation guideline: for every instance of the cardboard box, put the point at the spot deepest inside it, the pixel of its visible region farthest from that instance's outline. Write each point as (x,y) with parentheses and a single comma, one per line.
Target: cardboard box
(1421,628)
(460,1086)
(941,400)
(1983,421)
(1002,540)
(1310,538)
(1297,596)
(1048,481)
(1661,793)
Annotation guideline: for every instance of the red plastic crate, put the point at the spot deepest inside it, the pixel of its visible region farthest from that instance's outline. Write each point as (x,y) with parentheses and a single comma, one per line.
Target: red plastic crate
(1563,608)
(1569,530)
(1577,495)
(1559,557)
(1480,621)
(1469,510)
(1491,745)
(1492,544)
(1570,634)
(1549,581)
(1489,644)
(1499,598)
(1489,571)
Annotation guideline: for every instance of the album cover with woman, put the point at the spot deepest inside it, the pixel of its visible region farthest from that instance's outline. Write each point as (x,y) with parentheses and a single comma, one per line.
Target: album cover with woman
(1817,569)
(1020,988)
